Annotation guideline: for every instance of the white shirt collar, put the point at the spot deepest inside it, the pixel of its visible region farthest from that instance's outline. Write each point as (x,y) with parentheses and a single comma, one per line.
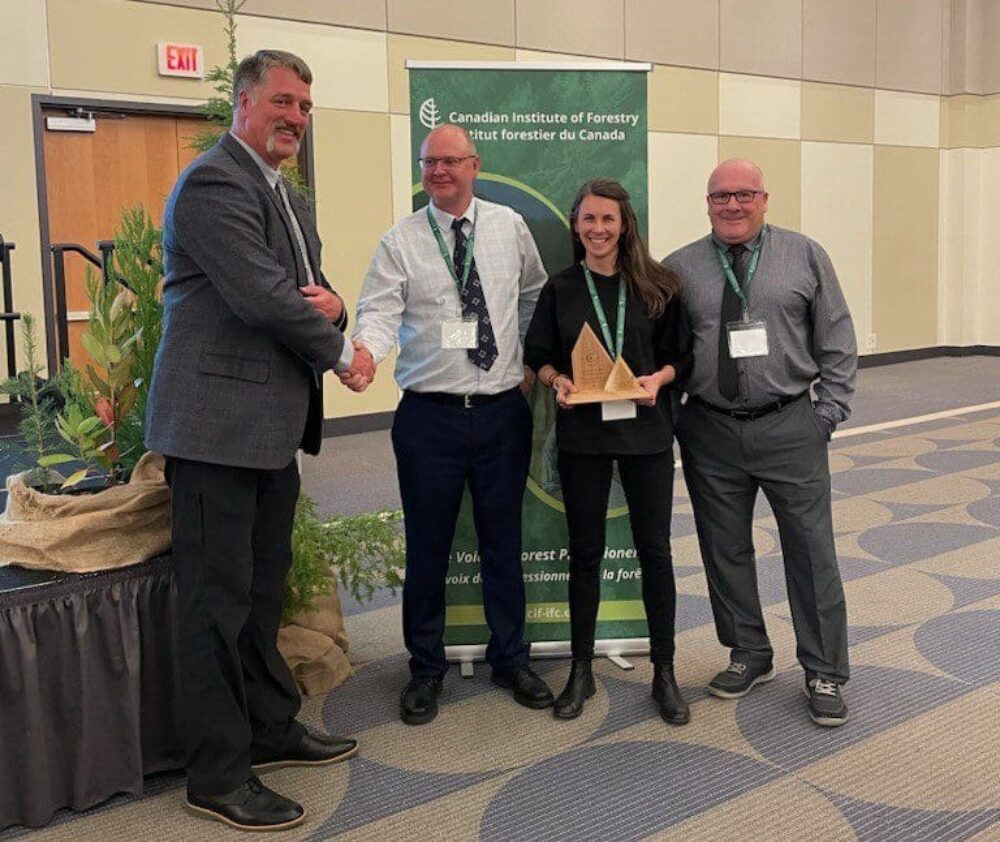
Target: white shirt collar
(270,173)
(444,219)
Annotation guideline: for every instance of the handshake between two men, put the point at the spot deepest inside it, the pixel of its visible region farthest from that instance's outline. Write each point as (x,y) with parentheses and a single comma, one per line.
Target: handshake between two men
(362,369)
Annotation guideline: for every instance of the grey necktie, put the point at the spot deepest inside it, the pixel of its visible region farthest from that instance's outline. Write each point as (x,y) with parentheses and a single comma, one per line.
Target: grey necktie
(283,192)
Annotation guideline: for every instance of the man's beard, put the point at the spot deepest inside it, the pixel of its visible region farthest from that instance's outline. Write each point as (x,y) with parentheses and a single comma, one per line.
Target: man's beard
(272,144)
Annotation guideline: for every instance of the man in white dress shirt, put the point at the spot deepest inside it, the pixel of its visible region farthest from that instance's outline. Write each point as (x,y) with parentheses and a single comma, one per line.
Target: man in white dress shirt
(455,285)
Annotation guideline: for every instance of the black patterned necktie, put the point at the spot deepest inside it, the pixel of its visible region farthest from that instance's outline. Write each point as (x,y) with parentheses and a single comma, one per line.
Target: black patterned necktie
(732,311)
(474,304)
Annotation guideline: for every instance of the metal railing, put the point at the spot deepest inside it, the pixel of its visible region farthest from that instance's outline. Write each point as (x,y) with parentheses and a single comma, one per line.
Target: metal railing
(59,250)
(8,316)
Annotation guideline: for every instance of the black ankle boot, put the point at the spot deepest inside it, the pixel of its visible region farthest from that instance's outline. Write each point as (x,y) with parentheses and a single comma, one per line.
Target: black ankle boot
(666,694)
(579,688)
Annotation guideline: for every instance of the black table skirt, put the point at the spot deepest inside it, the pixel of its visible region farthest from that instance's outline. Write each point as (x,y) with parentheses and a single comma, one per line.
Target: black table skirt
(88,687)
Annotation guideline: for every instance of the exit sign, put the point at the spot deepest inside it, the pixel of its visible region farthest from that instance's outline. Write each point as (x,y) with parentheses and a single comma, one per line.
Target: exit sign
(181,60)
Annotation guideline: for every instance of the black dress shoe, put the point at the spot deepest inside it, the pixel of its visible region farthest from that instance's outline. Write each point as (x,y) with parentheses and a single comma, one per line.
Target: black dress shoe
(313,749)
(251,806)
(579,688)
(667,695)
(418,704)
(529,690)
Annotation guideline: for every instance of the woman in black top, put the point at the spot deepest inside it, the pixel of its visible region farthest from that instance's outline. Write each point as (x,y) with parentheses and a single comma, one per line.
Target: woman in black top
(614,273)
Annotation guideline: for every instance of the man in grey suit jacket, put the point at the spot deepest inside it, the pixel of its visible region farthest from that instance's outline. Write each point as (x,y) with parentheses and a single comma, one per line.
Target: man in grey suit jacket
(250,325)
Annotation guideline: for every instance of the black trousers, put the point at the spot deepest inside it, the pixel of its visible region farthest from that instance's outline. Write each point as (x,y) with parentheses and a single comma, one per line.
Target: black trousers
(440,449)
(232,552)
(648,482)
(784,454)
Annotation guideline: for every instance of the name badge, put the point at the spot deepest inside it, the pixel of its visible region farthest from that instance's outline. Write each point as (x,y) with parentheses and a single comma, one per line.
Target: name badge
(460,333)
(747,339)
(618,410)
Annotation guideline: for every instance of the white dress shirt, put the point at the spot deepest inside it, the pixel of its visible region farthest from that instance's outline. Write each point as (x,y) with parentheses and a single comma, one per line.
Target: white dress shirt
(409,293)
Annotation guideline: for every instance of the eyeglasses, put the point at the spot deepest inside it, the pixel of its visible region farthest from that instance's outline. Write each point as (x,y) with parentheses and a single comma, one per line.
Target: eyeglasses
(448,163)
(744,197)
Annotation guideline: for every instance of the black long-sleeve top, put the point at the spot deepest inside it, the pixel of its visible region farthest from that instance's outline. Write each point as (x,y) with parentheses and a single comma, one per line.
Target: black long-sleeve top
(649,344)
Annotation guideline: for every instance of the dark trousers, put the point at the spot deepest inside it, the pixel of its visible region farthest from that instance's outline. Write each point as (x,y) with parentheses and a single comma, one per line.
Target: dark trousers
(783,453)
(648,482)
(232,551)
(440,448)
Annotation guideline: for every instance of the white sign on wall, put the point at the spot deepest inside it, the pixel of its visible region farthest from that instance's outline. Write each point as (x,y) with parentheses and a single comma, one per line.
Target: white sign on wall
(186,60)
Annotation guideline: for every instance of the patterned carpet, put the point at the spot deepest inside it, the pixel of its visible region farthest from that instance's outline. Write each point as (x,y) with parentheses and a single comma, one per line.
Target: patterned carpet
(917,512)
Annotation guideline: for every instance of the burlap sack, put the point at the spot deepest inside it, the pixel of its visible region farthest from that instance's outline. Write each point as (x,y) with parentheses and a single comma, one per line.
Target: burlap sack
(314,645)
(80,533)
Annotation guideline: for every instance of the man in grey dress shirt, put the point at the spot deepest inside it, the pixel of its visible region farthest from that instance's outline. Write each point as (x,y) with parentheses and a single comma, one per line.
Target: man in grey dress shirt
(455,285)
(765,319)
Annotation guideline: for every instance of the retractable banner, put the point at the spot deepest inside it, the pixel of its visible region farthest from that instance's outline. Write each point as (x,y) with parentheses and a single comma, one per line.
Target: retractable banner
(542,131)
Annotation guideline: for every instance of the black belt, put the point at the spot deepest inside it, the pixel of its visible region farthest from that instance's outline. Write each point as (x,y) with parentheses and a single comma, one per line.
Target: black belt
(748,414)
(464,401)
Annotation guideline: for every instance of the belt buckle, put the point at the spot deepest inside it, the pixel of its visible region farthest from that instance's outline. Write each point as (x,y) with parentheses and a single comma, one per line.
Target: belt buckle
(467,401)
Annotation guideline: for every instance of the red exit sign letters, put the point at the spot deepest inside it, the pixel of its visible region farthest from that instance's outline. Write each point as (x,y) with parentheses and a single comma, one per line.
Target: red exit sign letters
(181,60)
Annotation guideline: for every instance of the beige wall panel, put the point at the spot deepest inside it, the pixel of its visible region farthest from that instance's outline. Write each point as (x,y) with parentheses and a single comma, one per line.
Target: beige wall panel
(402,173)
(486,21)
(354,209)
(838,41)
(679,166)
(683,100)
(837,113)
(679,32)
(905,252)
(763,37)
(757,106)
(359,13)
(963,49)
(110,45)
(781,161)
(909,45)
(348,65)
(403,47)
(906,119)
(586,27)
(541,56)
(19,211)
(959,246)
(990,38)
(988,303)
(24,44)
(837,213)
(989,120)
(964,121)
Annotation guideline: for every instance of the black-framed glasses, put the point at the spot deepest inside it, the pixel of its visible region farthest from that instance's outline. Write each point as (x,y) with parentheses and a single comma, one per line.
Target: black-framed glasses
(744,197)
(449,163)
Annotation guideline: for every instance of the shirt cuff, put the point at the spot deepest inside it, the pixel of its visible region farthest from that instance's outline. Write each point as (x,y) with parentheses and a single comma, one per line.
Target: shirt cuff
(346,357)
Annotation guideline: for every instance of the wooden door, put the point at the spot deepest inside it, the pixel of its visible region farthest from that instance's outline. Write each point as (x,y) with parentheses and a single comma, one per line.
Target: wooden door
(131,159)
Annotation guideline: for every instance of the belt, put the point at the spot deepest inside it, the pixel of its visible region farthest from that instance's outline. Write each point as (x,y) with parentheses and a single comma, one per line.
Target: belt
(748,414)
(464,401)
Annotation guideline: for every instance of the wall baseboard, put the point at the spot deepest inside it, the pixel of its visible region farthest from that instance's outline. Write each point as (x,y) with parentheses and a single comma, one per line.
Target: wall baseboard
(355,424)
(893,357)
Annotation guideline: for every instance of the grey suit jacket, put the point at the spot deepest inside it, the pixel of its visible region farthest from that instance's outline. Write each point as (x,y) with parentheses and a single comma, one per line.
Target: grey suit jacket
(237,375)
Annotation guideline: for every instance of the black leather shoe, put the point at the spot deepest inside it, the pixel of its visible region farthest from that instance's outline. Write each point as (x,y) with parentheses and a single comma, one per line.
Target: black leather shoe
(579,688)
(418,704)
(312,750)
(529,690)
(667,695)
(251,806)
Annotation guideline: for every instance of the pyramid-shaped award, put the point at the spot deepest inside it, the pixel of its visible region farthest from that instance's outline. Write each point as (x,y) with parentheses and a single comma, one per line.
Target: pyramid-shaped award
(597,378)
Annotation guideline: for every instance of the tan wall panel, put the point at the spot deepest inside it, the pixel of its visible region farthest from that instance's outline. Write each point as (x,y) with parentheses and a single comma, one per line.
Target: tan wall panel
(402,173)
(905,253)
(19,210)
(758,106)
(360,13)
(586,27)
(781,162)
(485,21)
(837,113)
(91,52)
(838,41)
(763,38)
(963,115)
(990,121)
(682,100)
(988,309)
(679,32)
(909,45)
(24,47)
(354,210)
(959,246)
(990,38)
(679,166)
(403,47)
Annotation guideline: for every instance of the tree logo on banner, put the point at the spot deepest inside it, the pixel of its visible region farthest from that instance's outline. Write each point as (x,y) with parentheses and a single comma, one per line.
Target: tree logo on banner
(429,114)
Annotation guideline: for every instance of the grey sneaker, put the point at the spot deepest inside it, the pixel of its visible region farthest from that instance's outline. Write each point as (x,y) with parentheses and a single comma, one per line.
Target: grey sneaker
(739,677)
(826,704)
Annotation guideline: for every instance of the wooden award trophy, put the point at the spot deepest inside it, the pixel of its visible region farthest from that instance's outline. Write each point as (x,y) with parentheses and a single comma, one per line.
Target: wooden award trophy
(597,378)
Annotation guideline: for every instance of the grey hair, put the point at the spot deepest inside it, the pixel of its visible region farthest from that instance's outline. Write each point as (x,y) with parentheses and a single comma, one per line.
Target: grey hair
(253,69)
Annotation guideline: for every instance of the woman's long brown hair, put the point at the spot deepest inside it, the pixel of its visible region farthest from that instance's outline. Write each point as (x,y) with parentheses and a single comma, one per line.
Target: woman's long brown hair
(654,282)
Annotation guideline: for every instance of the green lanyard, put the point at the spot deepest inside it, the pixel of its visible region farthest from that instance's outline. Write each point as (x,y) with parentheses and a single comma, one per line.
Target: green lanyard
(616,351)
(751,271)
(469,244)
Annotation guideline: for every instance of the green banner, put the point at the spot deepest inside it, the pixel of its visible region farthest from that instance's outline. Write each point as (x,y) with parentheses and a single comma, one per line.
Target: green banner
(541,133)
